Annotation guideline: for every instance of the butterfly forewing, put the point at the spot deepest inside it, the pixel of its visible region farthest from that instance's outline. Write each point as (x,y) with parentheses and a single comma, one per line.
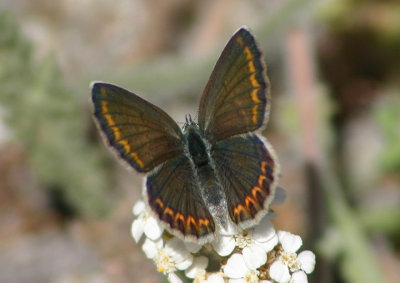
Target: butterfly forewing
(236,97)
(143,135)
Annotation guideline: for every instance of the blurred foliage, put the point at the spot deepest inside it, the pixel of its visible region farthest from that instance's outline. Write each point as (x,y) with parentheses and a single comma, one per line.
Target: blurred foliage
(360,51)
(353,251)
(387,115)
(384,219)
(359,59)
(46,119)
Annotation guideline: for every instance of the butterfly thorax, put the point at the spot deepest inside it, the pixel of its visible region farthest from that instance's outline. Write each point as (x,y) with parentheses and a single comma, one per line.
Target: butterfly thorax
(196,146)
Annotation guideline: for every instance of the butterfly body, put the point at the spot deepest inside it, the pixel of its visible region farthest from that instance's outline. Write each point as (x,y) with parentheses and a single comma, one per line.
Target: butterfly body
(216,175)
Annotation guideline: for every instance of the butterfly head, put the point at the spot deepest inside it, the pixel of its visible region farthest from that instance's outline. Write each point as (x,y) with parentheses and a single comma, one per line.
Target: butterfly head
(189,124)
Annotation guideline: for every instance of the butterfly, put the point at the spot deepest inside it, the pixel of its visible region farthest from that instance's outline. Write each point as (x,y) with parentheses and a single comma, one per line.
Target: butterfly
(215,175)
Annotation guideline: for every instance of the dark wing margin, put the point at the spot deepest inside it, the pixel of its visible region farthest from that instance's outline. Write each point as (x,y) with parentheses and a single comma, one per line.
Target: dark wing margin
(142,134)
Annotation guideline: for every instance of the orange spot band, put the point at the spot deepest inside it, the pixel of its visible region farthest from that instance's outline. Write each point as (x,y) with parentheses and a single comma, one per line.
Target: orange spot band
(256,190)
(104,107)
(160,203)
(169,211)
(204,222)
(109,119)
(179,216)
(249,200)
(261,180)
(249,55)
(240,41)
(125,145)
(254,112)
(135,156)
(253,81)
(251,66)
(254,96)
(238,209)
(264,167)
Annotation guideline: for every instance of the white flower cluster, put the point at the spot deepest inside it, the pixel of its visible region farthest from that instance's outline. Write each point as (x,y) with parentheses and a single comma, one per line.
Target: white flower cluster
(259,254)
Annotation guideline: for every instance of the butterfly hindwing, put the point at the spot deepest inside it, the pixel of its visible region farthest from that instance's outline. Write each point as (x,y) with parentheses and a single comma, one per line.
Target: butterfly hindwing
(246,167)
(174,195)
(142,134)
(236,97)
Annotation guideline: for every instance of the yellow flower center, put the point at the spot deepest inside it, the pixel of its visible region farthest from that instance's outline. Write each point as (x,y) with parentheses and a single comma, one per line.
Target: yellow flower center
(290,260)
(242,240)
(164,262)
(252,276)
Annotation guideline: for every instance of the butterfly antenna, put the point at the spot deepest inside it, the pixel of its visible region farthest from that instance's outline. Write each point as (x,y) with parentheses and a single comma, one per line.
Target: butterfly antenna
(189,119)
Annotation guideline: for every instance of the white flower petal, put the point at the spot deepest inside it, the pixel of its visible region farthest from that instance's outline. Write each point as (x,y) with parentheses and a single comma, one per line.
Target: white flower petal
(299,277)
(173,278)
(235,267)
(279,272)
(177,250)
(270,244)
(224,245)
(151,248)
(215,278)
(280,196)
(152,229)
(137,229)
(307,261)
(237,280)
(254,256)
(193,247)
(191,272)
(184,264)
(199,264)
(290,242)
(264,231)
(138,208)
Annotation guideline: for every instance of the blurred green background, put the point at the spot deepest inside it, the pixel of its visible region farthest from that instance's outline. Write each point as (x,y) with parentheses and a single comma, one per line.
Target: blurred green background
(65,202)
